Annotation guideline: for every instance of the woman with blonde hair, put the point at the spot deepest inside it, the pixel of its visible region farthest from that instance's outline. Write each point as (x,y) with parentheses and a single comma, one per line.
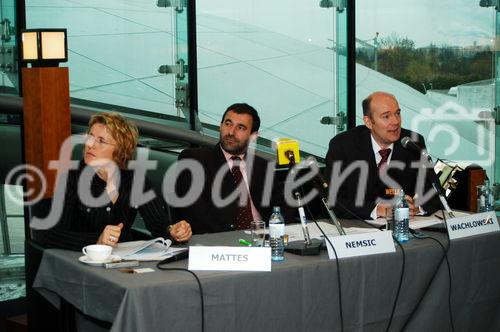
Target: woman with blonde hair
(109,144)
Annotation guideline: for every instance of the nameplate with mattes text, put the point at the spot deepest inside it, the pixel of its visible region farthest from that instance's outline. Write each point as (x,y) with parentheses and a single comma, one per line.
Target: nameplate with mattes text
(361,244)
(229,258)
(473,224)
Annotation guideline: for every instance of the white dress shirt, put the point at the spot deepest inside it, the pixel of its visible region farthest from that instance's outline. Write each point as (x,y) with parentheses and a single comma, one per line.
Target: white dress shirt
(378,158)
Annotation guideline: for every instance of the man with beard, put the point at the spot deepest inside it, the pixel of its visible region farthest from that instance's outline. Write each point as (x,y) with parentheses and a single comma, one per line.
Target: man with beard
(228,170)
(377,145)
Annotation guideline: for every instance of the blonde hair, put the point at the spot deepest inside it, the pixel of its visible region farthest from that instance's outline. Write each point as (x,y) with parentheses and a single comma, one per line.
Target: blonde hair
(123,131)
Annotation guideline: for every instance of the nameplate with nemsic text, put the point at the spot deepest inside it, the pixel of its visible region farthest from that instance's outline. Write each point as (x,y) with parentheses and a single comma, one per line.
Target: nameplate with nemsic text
(361,244)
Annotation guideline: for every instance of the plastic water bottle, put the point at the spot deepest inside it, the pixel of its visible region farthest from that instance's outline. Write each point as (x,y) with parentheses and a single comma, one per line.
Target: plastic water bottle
(489,202)
(401,221)
(485,199)
(276,235)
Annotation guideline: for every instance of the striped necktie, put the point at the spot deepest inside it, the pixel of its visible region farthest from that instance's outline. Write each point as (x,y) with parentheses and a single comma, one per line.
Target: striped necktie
(244,216)
(385,155)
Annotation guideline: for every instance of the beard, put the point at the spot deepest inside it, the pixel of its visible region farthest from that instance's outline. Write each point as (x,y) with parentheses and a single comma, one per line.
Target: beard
(232,145)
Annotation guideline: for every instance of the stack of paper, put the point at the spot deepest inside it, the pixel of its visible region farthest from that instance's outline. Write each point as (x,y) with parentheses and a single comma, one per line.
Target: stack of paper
(418,222)
(152,250)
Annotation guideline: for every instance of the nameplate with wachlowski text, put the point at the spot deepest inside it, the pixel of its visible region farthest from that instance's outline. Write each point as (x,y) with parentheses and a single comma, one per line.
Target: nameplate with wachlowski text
(361,244)
(473,224)
(229,258)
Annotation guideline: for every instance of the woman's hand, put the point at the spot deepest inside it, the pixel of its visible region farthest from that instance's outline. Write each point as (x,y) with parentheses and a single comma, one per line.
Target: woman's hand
(110,235)
(180,231)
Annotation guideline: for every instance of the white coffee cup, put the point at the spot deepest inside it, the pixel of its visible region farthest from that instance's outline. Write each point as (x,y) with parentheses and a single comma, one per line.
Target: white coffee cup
(97,252)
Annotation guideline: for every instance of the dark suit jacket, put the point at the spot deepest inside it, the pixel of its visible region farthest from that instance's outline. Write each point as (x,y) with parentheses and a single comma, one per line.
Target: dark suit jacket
(203,215)
(80,225)
(355,145)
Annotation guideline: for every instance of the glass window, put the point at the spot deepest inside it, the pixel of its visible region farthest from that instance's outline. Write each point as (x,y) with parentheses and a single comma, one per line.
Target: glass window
(497,113)
(12,284)
(437,59)
(115,49)
(12,279)
(8,65)
(286,60)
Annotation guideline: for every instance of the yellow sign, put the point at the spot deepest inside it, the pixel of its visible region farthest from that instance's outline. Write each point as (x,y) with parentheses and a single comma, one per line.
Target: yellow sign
(284,148)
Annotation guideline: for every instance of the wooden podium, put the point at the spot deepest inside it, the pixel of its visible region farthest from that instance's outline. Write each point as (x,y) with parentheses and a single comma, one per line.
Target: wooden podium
(47,120)
(476,178)
(47,124)
(464,197)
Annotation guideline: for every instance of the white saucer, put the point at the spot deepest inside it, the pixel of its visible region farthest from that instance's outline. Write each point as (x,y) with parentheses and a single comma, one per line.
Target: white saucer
(113,258)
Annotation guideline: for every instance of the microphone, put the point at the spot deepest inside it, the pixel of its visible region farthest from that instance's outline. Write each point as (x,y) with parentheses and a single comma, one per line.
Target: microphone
(312,163)
(287,151)
(290,155)
(177,257)
(408,144)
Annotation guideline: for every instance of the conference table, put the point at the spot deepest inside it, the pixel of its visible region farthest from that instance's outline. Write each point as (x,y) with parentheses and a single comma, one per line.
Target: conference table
(299,294)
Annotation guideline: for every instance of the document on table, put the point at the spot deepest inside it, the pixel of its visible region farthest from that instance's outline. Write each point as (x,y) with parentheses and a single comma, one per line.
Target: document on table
(294,231)
(153,250)
(418,222)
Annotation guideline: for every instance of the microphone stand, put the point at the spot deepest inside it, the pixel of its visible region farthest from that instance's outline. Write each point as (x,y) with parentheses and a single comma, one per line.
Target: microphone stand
(332,216)
(443,200)
(322,186)
(303,220)
(439,191)
(307,247)
(437,187)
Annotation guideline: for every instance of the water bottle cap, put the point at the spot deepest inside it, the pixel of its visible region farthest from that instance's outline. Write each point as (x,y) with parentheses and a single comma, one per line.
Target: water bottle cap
(276,209)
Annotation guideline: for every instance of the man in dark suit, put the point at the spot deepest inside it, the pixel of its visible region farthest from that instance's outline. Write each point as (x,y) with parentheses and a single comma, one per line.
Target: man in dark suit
(367,163)
(229,168)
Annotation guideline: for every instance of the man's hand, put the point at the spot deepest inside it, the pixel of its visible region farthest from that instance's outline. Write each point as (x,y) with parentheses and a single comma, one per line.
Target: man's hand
(413,208)
(382,210)
(180,231)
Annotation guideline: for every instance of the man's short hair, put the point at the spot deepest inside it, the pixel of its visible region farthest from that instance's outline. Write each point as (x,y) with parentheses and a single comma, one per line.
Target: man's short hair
(244,108)
(366,105)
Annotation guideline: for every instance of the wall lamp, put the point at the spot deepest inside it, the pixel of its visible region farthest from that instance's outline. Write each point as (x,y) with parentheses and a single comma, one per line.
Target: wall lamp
(44,47)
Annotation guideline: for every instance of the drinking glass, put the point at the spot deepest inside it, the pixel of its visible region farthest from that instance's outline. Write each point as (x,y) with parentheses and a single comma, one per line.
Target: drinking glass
(485,198)
(389,217)
(258,230)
